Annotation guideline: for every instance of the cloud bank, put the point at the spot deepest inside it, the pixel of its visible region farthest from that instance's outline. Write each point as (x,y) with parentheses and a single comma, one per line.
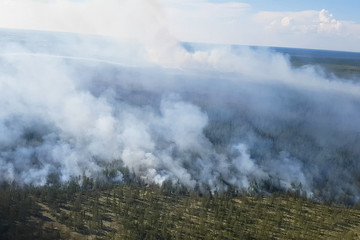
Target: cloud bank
(193,21)
(238,23)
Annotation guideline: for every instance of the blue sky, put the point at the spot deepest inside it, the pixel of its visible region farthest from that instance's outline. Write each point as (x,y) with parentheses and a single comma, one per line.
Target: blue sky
(330,24)
(345,9)
(321,24)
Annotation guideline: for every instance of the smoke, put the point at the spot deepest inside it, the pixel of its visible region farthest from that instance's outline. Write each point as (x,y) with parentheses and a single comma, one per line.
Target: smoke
(207,116)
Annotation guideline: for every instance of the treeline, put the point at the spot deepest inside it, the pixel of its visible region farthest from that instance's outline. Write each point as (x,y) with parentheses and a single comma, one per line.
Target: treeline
(132,209)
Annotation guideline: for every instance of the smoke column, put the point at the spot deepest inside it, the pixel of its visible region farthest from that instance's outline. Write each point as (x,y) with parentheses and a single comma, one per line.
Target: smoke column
(72,104)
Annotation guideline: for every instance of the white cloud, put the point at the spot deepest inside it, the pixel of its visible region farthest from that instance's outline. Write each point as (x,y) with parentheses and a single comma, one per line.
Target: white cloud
(308,29)
(304,29)
(303,22)
(286,21)
(166,21)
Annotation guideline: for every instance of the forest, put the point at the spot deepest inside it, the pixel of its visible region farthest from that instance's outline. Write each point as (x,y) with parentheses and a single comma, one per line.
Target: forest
(226,142)
(85,208)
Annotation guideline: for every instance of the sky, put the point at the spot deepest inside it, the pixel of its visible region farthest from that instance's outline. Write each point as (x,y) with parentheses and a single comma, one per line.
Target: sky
(333,25)
(330,24)
(345,10)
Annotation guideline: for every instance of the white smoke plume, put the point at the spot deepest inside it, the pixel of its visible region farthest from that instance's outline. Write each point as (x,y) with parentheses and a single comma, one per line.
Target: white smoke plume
(71,104)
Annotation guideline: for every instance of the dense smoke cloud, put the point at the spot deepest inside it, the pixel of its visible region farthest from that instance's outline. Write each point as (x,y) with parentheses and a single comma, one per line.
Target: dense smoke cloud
(207,116)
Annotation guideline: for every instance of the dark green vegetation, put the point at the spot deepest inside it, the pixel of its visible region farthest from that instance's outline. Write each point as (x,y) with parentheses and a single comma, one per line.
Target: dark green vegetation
(289,133)
(133,210)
